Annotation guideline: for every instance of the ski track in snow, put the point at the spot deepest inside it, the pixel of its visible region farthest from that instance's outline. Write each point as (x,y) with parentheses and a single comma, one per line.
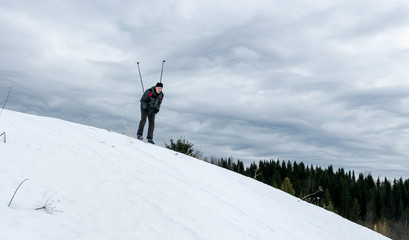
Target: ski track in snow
(111,186)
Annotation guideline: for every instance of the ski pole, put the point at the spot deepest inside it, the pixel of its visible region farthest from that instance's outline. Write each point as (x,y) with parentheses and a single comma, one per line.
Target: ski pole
(140,76)
(161,73)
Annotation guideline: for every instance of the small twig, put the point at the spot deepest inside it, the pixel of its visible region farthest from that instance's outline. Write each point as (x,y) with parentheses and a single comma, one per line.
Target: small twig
(5,102)
(128,133)
(311,194)
(47,205)
(16,191)
(4,136)
(255,173)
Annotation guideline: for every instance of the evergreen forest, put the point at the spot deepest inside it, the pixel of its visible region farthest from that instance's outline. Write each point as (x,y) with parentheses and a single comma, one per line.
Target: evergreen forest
(379,204)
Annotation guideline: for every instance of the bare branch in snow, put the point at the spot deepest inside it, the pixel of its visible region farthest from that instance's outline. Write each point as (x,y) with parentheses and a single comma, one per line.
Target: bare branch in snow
(47,204)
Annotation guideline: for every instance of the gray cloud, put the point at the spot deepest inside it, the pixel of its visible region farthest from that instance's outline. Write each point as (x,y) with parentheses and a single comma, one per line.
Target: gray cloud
(320,82)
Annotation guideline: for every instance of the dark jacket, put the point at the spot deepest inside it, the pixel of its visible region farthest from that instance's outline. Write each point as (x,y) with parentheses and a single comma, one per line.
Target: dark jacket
(151,101)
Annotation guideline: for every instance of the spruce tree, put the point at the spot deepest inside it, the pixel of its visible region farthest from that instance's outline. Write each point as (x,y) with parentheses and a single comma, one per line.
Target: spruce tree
(287,186)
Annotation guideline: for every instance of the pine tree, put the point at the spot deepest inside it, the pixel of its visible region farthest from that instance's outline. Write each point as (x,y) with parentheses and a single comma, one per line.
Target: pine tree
(355,211)
(183,146)
(287,186)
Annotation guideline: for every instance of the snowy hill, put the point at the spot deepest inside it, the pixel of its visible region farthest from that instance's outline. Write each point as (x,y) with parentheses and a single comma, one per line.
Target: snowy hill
(111,186)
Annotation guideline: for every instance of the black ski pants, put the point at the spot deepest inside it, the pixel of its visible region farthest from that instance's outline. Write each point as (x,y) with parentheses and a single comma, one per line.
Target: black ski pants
(151,116)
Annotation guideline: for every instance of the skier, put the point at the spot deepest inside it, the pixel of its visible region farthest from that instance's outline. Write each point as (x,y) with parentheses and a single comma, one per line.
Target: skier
(150,105)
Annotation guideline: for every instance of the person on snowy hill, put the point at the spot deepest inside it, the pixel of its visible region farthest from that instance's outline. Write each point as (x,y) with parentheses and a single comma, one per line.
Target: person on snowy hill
(150,105)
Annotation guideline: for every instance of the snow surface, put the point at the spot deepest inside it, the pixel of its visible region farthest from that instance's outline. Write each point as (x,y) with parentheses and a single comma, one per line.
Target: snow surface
(111,186)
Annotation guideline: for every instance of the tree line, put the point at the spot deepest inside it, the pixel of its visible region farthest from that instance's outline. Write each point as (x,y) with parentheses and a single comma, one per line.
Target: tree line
(379,204)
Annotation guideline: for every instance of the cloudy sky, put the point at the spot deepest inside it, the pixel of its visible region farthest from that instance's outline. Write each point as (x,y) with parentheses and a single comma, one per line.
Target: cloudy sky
(323,82)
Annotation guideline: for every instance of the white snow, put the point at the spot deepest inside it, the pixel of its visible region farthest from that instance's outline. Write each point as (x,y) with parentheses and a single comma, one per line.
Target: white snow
(111,186)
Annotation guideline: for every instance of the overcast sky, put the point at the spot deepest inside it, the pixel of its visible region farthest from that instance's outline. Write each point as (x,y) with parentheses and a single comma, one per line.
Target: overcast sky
(323,82)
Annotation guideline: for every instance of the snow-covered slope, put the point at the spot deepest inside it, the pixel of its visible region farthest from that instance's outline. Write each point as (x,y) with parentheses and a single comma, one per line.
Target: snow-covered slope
(110,186)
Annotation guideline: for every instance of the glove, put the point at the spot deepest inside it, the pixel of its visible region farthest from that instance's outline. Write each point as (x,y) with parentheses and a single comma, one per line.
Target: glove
(156,110)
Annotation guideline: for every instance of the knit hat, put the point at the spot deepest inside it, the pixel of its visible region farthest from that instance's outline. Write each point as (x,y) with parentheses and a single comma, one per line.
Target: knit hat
(159,84)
